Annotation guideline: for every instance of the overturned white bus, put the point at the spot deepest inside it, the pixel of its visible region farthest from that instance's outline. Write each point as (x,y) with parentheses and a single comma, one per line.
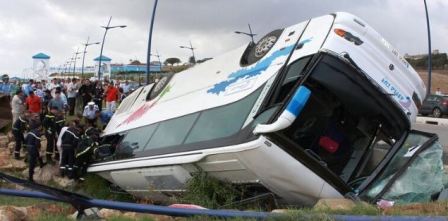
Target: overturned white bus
(320,109)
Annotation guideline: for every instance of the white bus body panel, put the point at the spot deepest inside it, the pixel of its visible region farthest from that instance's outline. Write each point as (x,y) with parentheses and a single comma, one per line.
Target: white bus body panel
(259,161)
(380,61)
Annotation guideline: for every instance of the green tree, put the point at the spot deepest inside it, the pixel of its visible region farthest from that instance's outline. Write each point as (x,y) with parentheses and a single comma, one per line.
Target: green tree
(172,61)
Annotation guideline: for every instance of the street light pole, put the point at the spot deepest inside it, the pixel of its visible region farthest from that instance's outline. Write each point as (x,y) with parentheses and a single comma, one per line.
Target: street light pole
(250,34)
(192,51)
(84,54)
(74,61)
(106,28)
(428,89)
(158,58)
(148,54)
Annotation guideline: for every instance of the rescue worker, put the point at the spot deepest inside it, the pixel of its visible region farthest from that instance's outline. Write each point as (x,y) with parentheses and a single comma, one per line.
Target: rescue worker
(18,128)
(70,141)
(32,142)
(84,151)
(60,123)
(49,124)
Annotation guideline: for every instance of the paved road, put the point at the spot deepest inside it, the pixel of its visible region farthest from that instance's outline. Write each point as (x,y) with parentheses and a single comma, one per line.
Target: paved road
(442,131)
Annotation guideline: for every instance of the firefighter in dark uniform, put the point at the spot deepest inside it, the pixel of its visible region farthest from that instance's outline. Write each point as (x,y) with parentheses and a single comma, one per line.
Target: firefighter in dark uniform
(84,151)
(49,124)
(18,129)
(32,142)
(70,141)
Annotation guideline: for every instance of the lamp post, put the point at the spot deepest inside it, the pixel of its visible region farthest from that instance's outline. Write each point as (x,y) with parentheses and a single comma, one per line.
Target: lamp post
(428,90)
(250,34)
(74,61)
(158,58)
(106,28)
(84,54)
(67,63)
(148,54)
(192,51)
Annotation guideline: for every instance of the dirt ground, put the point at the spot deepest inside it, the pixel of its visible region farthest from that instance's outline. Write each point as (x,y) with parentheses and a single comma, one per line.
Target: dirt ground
(439,79)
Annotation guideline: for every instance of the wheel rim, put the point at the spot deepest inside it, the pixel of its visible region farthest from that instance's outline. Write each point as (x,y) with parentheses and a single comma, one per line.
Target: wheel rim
(264,46)
(436,112)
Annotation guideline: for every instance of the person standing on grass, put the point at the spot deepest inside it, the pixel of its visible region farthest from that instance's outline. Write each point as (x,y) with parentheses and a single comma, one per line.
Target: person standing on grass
(86,91)
(98,94)
(32,142)
(45,101)
(111,97)
(72,91)
(17,105)
(49,124)
(69,143)
(56,102)
(18,129)
(33,103)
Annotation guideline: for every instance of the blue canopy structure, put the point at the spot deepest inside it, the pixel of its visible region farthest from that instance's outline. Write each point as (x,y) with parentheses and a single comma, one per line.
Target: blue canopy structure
(41,56)
(103,58)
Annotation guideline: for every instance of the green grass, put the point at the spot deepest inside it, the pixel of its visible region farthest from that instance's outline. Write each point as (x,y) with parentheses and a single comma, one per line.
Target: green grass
(52,217)
(96,187)
(209,192)
(18,201)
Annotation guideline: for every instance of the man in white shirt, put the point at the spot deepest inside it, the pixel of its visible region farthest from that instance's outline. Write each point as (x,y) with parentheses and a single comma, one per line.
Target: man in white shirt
(126,86)
(72,91)
(91,112)
(17,105)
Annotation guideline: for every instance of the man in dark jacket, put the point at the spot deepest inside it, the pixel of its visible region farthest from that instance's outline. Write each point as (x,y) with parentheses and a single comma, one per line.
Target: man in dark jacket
(70,141)
(18,128)
(49,124)
(84,151)
(32,142)
(86,91)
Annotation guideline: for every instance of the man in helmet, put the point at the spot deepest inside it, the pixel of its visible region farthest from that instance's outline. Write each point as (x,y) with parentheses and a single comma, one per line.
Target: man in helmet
(84,152)
(5,87)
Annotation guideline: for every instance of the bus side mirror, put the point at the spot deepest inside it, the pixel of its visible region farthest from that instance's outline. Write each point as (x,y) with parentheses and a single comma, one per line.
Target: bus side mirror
(289,115)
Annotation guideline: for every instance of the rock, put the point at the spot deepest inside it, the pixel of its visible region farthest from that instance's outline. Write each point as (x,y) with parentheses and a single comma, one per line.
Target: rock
(280,211)
(18,164)
(18,187)
(11,213)
(336,204)
(4,140)
(11,147)
(63,182)
(10,136)
(108,213)
(45,174)
(89,214)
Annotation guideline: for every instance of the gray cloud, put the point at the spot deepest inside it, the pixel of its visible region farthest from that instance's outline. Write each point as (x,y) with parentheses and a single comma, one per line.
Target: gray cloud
(58,27)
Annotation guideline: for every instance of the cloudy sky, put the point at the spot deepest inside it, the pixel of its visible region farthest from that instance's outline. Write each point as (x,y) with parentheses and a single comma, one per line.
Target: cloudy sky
(58,27)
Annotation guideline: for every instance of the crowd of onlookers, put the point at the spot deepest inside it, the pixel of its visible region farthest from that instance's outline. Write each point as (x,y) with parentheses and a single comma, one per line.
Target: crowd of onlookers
(42,107)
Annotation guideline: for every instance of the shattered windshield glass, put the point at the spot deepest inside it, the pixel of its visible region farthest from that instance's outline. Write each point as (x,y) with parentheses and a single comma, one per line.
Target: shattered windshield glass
(412,143)
(423,178)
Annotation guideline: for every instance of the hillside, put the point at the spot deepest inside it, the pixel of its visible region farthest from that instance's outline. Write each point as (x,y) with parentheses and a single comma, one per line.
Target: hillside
(439,79)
